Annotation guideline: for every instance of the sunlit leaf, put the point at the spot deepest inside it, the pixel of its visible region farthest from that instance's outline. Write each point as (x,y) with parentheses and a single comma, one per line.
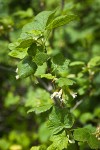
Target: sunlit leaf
(26,67)
(59,119)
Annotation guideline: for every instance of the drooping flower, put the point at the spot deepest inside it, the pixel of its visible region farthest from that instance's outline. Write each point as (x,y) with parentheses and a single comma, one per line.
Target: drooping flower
(74,95)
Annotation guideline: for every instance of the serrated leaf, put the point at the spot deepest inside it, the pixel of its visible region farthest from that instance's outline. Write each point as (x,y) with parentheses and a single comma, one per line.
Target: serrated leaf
(40,58)
(39,22)
(47,76)
(64,82)
(61,20)
(59,119)
(94,62)
(26,67)
(37,102)
(93,142)
(60,141)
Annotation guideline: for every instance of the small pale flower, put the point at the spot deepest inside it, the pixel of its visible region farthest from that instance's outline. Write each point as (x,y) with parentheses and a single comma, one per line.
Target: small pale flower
(57,94)
(54,94)
(16,70)
(60,93)
(74,95)
(17,76)
(70,140)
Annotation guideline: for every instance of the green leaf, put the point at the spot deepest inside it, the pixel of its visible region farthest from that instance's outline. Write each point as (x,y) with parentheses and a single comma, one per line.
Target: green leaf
(39,22)
(59,119)
(32,50)
(61,20)
(60,141)
(41,147)
(4,143)
(51,17)
(94,62)
(64,82)
(93,142)
(26,67)
(58,59)
(37,102)
(19,53)
(24,13)
(60,64)
(13,45)
(47,76)
(11,99)
(44,133)
(77,63)
(86,134)
(41,70)
(40,58)
(35,148)
(87,116)
(81,134)
(41,108)
(25,43)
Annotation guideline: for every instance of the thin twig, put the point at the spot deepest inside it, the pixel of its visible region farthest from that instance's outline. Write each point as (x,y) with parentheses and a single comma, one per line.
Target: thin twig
(48,88)
(76,105)
(62,4)
(7,69)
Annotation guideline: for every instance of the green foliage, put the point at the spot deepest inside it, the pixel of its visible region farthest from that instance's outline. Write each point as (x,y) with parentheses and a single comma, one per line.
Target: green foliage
(40,103)
(59,56)
(59,119)
(60,141)
(87,135)
(61,20)
(94,62)
(26,67)
(40,58)
(64,82)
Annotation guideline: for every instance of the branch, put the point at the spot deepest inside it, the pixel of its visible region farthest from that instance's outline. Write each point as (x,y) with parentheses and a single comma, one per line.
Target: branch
(48,88)
(62,4)
(76,105)
(7,69)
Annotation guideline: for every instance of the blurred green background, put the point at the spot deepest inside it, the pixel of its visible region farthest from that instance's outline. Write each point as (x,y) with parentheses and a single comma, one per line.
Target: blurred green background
(78,41)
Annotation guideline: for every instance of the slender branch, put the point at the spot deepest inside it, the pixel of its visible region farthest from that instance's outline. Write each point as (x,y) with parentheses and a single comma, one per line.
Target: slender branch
(62,4)
(48,88)
(7,69)
(76,105)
